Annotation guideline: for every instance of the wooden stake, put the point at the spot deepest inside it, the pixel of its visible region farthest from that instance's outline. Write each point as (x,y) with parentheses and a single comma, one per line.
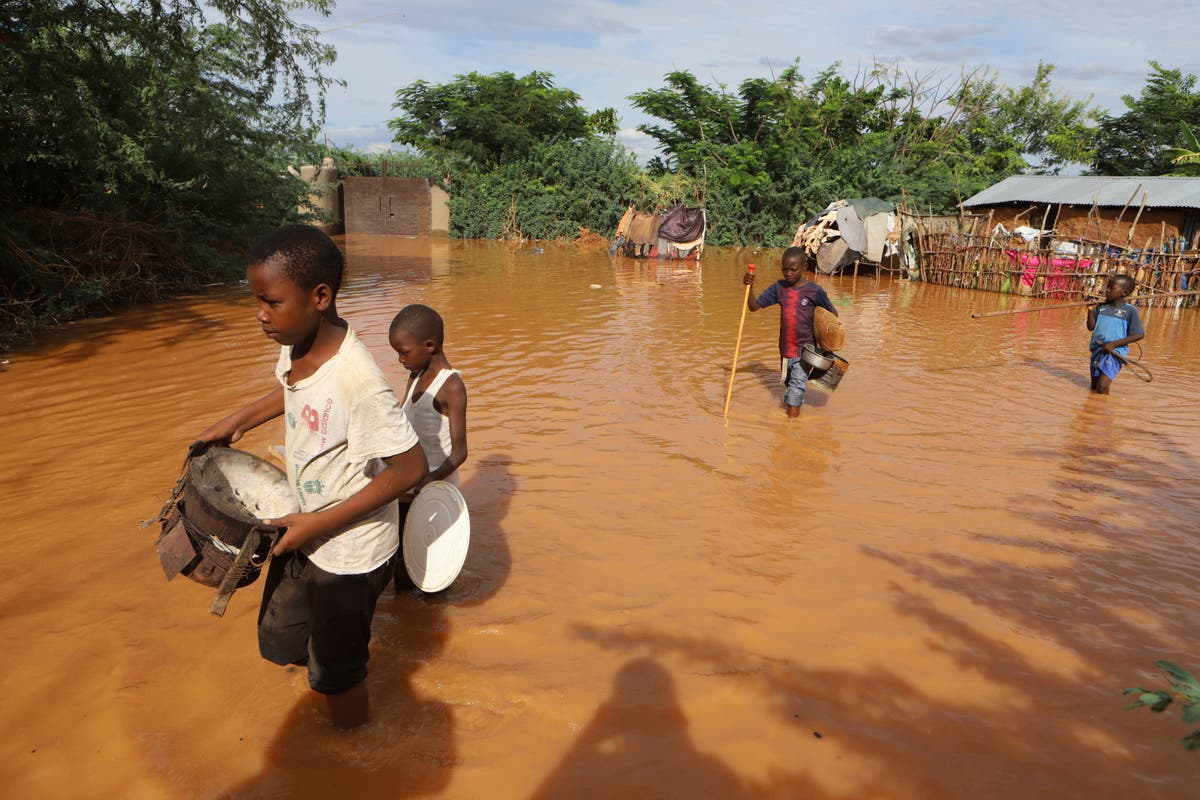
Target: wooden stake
(737,348)
(1141,208)
(1108,238)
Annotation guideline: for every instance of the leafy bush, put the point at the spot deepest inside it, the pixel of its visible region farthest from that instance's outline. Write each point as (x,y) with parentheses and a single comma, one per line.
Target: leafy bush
(142,146)
(553,191)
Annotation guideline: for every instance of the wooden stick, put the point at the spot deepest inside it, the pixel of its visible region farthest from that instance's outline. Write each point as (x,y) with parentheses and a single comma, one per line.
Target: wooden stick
(1080,304)
(1132,225)
(737,349)
(1087,227)
(1132,197)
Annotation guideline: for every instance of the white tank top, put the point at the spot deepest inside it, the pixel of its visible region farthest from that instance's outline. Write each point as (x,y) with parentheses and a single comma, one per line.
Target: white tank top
(432,427)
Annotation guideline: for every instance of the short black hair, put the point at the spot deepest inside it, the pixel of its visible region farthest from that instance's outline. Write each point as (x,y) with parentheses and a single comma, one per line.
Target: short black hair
(794,252)
(1130,283)
(421,321)
(307,255)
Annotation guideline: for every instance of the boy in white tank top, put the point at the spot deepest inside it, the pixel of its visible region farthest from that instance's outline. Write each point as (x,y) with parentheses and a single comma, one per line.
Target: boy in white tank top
(435,399)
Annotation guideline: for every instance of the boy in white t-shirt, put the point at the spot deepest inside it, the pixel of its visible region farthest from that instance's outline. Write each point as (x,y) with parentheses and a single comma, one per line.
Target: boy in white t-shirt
(350,453)
(435,400)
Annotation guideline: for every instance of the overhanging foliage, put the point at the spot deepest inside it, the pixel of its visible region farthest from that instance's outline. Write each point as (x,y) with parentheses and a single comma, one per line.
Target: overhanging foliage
(164,124)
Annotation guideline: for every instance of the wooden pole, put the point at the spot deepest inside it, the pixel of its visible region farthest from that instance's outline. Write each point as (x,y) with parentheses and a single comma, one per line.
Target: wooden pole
(1087,226)
(1132,225)
(1125,208)
(737,348)
(1079,304)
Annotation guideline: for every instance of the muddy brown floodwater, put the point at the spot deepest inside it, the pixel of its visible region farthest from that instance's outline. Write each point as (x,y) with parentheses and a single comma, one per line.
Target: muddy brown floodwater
(934,584)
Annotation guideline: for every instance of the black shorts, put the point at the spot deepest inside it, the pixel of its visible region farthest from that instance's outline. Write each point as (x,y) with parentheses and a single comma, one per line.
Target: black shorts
(312,617)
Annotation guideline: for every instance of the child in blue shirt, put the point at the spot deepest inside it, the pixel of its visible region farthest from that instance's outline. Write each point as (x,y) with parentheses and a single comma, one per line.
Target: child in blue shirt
(1115,325)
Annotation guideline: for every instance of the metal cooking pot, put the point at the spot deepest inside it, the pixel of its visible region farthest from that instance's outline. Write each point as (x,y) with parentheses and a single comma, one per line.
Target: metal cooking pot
(815,359)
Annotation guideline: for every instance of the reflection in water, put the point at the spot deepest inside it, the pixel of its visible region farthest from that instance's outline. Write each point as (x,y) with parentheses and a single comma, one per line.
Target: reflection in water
(949,567)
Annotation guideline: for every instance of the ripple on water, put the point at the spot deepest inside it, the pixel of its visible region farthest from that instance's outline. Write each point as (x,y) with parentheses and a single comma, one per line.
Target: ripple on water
(958,532)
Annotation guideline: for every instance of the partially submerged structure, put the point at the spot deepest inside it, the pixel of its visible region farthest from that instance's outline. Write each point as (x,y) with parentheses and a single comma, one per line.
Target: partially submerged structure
(396,206)
(861,231)
(1060,236)
(324,195)
(677,233)
(381,205)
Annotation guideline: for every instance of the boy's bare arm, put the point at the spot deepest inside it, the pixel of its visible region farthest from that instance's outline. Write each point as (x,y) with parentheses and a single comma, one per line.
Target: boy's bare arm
(452,401)
(1113,345)
(401,472)
(1091,315)
(231,428)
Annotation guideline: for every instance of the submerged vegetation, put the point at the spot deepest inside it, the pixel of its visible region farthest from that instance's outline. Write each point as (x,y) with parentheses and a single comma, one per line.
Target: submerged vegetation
(145,143)
(1185,687)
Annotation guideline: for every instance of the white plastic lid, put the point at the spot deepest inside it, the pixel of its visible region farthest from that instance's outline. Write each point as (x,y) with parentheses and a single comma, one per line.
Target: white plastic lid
(437,534)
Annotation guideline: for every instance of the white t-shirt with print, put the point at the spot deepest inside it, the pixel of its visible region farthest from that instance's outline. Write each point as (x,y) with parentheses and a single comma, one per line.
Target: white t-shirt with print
(340,422)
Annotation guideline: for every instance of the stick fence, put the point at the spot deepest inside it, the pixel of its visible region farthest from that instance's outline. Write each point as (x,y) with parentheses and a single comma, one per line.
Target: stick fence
(971,257)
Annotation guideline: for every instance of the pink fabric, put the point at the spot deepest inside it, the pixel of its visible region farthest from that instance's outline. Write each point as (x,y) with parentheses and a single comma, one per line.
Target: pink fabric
(1062,267)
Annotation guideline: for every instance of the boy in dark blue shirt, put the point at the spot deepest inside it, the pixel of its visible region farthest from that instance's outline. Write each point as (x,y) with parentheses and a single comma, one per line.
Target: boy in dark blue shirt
(1115,325)
(798,301)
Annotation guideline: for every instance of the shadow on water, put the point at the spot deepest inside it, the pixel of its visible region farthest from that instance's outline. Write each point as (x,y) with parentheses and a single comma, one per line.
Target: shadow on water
(1082,600)
(768,376)
(1076,740)
(164,324)
(825,701)
(408,749)
(637,745)
(1079,378)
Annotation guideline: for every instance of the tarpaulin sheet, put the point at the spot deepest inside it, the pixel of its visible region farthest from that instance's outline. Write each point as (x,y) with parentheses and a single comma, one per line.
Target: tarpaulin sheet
(682,224)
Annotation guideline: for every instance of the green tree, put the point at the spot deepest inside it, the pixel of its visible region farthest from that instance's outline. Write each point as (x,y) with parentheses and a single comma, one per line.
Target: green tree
(1186,159)
(140,143)
(776,151)
(1030,128)
(1139,141)
(487,119)
(519,155)
(557,188)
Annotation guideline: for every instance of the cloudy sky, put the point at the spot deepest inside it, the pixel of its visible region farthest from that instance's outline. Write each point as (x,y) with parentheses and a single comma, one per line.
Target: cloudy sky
(608,49)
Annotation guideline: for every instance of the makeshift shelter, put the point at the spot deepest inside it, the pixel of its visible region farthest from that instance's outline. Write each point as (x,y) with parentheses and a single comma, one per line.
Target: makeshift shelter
(677,233)
(847,233)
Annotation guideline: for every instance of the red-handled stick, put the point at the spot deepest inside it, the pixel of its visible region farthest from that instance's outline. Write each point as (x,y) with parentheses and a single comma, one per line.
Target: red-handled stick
(738,347)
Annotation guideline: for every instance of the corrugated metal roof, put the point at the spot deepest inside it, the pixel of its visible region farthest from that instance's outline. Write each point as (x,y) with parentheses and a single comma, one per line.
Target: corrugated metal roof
(1083,190)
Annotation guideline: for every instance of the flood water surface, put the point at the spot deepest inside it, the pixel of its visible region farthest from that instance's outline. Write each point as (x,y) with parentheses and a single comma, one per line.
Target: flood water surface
(933,584)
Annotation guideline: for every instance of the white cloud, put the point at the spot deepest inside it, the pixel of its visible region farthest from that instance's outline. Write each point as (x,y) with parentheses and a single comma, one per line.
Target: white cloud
(607,50)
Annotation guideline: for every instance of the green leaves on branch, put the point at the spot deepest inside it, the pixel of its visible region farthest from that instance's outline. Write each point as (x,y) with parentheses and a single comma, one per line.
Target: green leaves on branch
(553,191)
(142,116)
(488,119)
(1186,158)
(1146,139)
(520,156)
(776,151)
(1184,686)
